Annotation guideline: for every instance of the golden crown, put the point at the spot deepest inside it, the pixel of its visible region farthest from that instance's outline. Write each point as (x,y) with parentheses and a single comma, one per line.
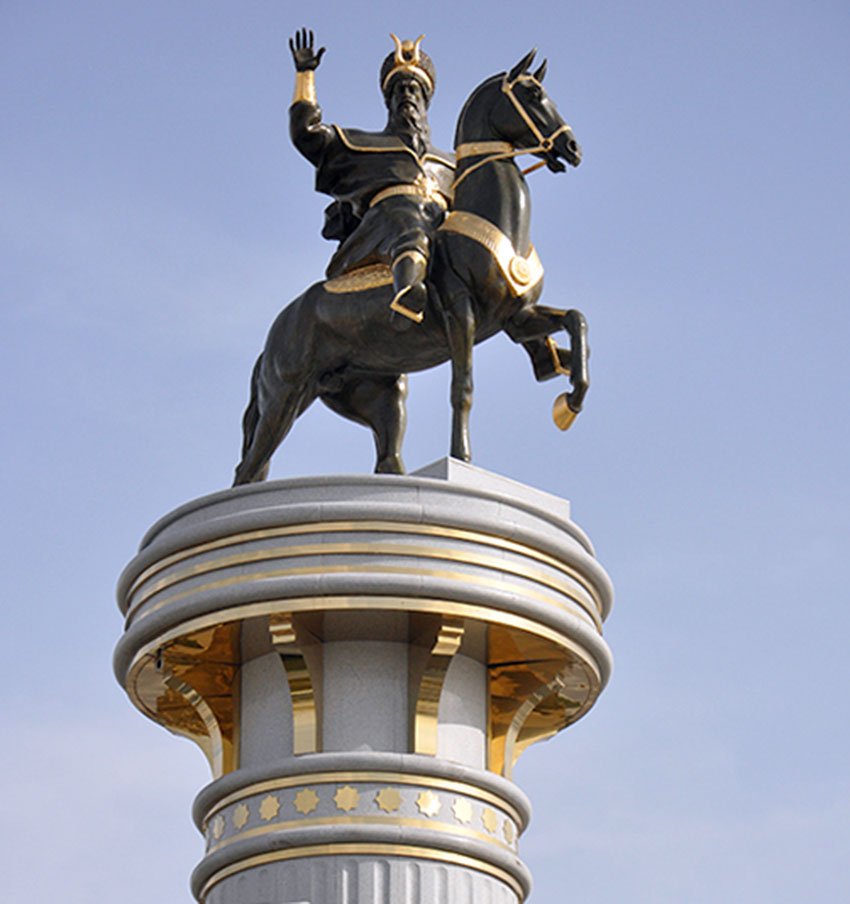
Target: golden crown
(408,59)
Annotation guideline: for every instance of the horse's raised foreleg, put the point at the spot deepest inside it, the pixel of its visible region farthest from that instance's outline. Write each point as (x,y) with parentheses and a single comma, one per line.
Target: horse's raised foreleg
(548,359)
(532,327)
(536,322)
(460,322)
(377,402)
(576,327)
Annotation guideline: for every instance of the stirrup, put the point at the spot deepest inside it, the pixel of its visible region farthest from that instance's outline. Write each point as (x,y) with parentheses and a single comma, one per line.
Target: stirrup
(399,308)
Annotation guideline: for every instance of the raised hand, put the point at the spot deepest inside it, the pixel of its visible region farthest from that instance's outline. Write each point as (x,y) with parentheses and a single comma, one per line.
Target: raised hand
(305,57)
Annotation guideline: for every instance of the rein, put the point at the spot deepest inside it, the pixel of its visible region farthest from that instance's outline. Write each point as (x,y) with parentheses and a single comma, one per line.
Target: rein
(504,150)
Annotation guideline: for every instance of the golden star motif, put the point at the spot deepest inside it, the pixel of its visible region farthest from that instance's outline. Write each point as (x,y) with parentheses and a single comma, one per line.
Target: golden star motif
(428,803)
(508,831)
(240,816)
(462,809)
(306,800)
(218,827)
(346,798)
(489,820)
(269,807)
(388,799)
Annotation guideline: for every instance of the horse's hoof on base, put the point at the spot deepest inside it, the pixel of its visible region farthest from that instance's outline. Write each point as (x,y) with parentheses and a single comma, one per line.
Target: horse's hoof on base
(391,465)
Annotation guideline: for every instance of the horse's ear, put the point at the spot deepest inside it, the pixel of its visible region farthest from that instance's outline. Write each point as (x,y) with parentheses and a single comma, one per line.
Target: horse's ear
(522,65)
(541,72)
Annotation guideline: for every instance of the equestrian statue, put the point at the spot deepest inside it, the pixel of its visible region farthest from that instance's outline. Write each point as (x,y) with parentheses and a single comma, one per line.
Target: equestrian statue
(434,256)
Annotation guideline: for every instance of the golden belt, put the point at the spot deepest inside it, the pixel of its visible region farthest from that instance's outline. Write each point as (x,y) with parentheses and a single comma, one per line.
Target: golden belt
(424,187)
(520,273)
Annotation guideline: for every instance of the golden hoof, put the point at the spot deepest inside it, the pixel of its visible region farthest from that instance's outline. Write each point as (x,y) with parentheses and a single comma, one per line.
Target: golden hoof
(562,414)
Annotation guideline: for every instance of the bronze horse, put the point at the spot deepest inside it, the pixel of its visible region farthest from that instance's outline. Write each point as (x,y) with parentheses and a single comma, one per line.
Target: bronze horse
(484,277)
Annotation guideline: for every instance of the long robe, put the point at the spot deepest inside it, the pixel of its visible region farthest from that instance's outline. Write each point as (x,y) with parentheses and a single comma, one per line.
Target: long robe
(352,167)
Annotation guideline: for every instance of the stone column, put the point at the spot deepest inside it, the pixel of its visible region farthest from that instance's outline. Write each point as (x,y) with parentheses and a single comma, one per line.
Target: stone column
(362,659)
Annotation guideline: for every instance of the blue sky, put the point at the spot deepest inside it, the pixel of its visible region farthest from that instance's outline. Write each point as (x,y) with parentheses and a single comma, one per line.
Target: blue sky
(154,220)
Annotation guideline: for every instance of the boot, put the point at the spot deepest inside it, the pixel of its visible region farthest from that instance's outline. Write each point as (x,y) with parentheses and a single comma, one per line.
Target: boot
(408,304)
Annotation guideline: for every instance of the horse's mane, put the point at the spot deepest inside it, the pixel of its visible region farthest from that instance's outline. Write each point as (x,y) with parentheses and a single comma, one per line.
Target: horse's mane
(462,120)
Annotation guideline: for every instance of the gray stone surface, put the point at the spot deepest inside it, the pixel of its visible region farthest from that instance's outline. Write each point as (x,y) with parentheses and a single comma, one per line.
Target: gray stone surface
(470,476)
(501,871)
(462,732)
(358,880)
(368,568)
(265,727)
(364,696)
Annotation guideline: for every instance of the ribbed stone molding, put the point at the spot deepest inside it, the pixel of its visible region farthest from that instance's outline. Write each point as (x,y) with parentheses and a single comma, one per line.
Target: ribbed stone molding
(362,659)
(406,826)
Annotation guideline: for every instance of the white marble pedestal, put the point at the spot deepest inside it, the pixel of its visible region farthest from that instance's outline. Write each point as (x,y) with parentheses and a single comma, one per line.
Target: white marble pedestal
(362,659)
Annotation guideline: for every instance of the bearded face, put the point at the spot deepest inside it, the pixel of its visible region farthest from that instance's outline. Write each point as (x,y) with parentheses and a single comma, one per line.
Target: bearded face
(408,108)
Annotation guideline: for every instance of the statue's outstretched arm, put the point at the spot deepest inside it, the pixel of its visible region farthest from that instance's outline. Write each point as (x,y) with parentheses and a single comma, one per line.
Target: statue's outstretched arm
(309,134)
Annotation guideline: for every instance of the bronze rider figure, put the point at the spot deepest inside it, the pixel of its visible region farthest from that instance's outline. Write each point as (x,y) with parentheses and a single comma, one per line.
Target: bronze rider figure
(391,189)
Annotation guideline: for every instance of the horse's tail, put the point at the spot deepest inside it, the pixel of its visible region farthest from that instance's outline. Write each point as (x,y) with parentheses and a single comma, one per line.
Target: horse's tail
(252,412)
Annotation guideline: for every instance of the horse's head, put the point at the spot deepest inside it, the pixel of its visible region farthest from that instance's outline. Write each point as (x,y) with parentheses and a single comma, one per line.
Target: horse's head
(514,107)
(528,118)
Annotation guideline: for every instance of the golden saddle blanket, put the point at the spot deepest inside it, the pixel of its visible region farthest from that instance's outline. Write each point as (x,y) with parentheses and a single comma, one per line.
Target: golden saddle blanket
(361,279)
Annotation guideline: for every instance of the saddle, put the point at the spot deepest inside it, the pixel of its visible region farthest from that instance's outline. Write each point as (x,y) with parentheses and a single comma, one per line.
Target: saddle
(360,280)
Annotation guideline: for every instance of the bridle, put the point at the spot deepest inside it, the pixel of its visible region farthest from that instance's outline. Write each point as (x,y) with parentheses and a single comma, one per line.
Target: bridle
(504,150)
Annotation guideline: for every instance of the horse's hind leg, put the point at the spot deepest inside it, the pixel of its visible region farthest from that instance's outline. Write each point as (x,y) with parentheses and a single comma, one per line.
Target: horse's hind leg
(272,425)
(377,402)
(252,412)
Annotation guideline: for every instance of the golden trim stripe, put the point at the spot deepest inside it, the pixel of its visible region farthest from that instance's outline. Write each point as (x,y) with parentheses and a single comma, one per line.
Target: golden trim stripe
(307,570)
(434,195)
(392,149)
(347,548)
(402,527)
(376,777)
(369,549)
(397,821)
(365,849)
